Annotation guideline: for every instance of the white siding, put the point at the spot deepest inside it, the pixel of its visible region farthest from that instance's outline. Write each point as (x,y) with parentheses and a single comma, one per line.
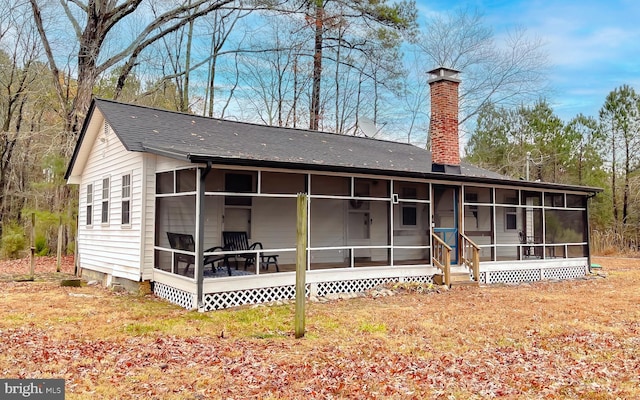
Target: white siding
(327,230)
(274,224)
(111,248)
(149,216)
(168,164)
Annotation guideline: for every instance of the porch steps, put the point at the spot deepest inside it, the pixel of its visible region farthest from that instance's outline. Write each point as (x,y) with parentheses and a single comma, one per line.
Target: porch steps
(456,279)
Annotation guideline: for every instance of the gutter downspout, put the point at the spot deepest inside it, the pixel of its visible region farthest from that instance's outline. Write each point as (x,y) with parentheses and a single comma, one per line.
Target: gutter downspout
(199,245)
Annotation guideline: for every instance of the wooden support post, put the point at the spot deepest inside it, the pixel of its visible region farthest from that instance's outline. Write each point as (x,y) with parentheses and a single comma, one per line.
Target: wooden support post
(301,264)
(476,265)
(59,250)
(447,267)
(33,245)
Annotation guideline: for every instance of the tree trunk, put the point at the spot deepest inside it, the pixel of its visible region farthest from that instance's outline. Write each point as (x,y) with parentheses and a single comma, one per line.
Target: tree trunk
(314,120)
(613,178)
(184,103)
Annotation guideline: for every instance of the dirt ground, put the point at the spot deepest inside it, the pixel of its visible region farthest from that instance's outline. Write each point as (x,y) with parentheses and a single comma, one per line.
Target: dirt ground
(545,340)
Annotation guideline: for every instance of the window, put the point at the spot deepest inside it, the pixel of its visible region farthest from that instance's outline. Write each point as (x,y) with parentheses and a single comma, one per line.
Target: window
(105,201)
(89,204)
(126,200)
(409,210)
(510,219)
(238,183)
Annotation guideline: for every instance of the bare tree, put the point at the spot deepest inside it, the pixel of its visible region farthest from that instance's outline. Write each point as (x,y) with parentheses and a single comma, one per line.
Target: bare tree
(505,74)
(271,72)
(19,71)
(324,16)
(96,20)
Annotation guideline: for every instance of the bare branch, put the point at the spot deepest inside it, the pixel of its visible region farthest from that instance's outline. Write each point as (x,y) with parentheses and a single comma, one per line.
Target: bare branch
(72,19)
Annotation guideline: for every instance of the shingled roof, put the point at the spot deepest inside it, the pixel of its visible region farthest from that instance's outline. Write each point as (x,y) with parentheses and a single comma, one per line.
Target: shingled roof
(200,139)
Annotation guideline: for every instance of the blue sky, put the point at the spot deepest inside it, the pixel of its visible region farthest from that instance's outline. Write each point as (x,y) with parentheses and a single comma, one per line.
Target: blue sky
(593,45)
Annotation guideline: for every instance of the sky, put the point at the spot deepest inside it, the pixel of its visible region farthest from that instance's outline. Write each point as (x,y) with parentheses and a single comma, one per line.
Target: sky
(593,45)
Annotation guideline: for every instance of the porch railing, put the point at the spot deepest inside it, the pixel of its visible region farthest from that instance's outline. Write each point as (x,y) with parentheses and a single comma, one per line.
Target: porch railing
(442,257)
(470,256)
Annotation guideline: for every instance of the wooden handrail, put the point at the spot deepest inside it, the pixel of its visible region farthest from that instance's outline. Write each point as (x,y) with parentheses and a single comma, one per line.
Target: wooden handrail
(441,257)
(472,261)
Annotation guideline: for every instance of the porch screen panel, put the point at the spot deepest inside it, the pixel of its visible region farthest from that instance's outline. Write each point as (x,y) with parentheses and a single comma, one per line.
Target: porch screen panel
(164,182)
(576,201)
(410,256)
(174,214)
(283,183)
(328,228)
(507,196)
(478,218)
(412,223)
(478,226)
(330,185)
(509,225)
(186,180)
(577,251)
(565,226)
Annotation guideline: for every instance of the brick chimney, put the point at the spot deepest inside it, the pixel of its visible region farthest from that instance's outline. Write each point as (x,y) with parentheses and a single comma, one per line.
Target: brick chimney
(445,147)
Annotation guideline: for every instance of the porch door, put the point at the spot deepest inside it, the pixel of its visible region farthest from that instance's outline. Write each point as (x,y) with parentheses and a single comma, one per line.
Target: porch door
(445,216)
(359,222)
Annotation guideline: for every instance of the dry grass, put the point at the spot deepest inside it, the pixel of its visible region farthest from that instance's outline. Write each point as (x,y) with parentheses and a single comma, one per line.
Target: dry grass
(574,339)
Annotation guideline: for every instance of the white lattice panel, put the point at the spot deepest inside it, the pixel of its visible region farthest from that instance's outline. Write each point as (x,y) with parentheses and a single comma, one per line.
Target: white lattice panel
(515,276)
(173,295)
(352,286)
(419,279)
(564,273)
(217,301)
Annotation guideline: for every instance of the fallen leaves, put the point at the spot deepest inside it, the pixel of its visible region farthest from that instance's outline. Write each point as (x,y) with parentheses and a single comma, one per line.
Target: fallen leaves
(574,339)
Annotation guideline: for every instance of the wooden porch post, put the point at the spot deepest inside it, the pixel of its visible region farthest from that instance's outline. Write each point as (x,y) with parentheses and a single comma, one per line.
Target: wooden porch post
(301,264)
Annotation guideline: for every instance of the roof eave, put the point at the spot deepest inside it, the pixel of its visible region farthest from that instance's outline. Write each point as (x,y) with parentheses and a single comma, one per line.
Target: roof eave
(204,158)
(79,143)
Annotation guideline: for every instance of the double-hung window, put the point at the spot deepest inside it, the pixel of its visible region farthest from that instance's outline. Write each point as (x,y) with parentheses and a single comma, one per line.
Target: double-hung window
(105,201)
(126,200)
(89,204)
(409,217)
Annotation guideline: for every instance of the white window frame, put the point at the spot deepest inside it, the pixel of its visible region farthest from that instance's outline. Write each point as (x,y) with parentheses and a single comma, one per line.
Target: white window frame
(89,208)
(106,193)
(406,205)
(510,211)
(126,199)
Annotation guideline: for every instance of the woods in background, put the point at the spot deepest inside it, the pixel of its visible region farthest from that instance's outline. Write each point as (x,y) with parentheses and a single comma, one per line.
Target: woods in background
(320,64)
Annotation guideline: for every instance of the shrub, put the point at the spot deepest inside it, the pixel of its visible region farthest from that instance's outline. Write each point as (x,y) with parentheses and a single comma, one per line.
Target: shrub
(13,241)
(41,246)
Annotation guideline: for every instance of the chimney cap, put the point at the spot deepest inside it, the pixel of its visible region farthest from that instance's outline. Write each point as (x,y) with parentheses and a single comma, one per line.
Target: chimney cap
(443,73)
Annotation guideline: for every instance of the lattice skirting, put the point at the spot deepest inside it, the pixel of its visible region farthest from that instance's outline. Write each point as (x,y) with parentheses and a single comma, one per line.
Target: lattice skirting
(351,286)
(532,275)
(217,301)
(173,295)
(418,279)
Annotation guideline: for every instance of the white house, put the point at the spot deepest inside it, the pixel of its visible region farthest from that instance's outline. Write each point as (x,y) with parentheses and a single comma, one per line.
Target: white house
(379,211)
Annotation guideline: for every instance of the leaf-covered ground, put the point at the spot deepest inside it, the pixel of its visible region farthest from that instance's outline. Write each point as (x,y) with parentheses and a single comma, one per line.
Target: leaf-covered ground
(572,339)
